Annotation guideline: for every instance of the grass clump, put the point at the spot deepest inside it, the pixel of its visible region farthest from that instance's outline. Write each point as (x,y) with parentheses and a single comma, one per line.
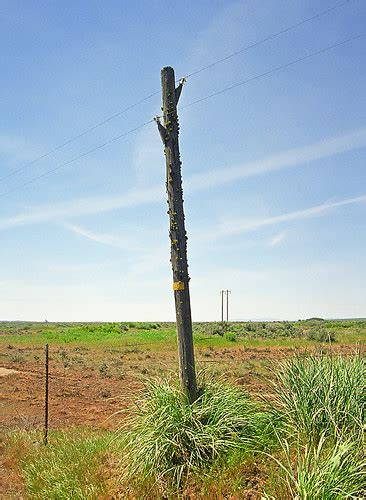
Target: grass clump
(323,472)
(168,438)
(70,466)
(320,394)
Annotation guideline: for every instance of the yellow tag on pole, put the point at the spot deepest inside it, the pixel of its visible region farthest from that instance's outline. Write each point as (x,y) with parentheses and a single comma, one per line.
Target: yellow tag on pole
(178,285)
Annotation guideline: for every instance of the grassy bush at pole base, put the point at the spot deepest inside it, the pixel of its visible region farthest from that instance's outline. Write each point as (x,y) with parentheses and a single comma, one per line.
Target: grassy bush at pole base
(322,394)
(167,438)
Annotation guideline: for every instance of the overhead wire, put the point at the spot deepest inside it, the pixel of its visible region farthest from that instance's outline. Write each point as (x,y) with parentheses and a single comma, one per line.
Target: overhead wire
(74,138)
(75,158)
(189,75)
(266,39)
(209,96)
(273,70)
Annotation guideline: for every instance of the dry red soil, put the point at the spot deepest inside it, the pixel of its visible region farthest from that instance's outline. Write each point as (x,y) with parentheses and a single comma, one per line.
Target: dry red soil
(81,395)
(84,394)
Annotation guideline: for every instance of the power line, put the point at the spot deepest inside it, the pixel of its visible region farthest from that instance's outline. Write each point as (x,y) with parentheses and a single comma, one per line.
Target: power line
(194,73)
(266,39)
(273,70)
(74,138)
(34,179)
(226,89)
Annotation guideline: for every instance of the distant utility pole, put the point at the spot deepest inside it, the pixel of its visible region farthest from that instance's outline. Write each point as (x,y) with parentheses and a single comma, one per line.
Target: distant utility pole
(223,293)
(227,304)
(178,239)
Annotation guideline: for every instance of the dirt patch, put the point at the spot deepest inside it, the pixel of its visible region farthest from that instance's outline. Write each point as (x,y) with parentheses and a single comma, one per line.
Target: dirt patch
(93,387)
(75,398)
(4,372)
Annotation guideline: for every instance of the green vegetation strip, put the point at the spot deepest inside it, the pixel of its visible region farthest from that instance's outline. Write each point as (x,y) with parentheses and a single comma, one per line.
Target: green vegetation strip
(248,334)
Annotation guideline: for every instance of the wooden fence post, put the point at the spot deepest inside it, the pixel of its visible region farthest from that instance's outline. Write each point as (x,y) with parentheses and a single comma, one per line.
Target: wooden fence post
(46,398)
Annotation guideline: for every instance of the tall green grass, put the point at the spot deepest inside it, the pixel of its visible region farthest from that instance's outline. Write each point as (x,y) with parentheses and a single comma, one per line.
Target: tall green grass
(322,402)
(72,465)
(168,438)
(321,394)
(323,472)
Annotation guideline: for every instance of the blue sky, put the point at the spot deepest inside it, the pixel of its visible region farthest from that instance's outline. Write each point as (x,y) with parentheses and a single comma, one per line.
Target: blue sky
(274,171)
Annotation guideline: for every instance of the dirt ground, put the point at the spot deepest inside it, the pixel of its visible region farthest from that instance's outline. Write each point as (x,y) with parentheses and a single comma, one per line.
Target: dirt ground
(92,386)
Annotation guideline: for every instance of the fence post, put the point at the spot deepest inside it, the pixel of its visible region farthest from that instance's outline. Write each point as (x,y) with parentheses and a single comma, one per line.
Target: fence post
(46,398)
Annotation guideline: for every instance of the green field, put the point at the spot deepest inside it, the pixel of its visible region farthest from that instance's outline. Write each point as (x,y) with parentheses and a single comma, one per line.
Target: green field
(162,335)
(280,405)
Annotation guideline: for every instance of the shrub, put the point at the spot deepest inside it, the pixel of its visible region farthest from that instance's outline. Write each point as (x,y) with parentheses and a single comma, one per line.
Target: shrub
(219,328)
(16,358)
(167,437)
(321,394)
(104,370)
(214,328)
(144,326)
(230,336)
(321,335)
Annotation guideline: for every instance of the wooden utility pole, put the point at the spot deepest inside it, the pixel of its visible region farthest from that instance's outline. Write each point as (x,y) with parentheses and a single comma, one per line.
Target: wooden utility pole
(227,304)
(223,293)
(178,239)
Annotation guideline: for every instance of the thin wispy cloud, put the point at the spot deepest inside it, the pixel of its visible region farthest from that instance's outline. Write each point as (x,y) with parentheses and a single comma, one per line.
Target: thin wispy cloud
(144,262)
(84,207)
(291,158)
(102,238)
(198,182)
(277,239)
(238,226)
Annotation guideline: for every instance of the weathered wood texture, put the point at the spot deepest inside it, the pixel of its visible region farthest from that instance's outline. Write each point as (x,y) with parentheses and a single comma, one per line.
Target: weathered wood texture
(177,232)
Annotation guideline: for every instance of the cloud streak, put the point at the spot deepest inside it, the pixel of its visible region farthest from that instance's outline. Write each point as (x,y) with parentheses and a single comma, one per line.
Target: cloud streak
(102,238)
(84,207)
(230,227)
(291,158)
(238,226)
(198,182)
(143,261)
(277,239)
